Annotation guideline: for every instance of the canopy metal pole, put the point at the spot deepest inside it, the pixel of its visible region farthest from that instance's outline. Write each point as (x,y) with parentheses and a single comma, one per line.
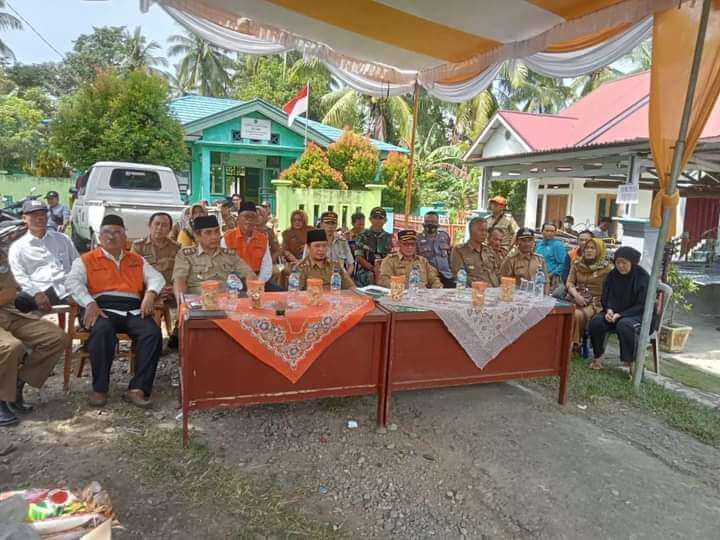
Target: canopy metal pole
(644,337)
(411,166)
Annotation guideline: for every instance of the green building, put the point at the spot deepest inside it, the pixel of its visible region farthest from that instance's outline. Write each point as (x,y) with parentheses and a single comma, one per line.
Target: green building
(242,146)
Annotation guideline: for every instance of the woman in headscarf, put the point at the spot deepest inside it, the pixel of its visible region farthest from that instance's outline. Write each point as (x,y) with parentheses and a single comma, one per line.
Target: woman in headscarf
(585,285)
(185,237)
(295,237)
(623,301)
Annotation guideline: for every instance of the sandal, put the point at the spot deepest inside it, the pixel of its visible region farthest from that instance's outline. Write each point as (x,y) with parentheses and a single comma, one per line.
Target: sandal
(596,366)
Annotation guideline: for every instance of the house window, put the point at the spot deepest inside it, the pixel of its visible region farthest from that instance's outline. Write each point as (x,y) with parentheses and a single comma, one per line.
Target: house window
(236,135)
(217,178)
(605,206)
(274,138)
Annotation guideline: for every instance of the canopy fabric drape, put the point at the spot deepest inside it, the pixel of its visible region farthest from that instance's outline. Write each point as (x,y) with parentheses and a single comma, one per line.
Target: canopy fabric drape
(398,42)
(674,34)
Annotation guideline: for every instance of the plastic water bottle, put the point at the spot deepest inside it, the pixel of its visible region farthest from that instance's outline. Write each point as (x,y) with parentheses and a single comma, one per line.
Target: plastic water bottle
(336,281)
(413,281)
(294,281)
(539,283)
(461,281)
(234,285)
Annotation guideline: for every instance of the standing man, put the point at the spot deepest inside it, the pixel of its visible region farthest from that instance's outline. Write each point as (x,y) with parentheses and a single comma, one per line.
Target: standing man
(236,201)
(523,263)
(207,260)
(555,254)
(318,263)
(228,215)
(604,227)
(263,212)
(371,247)
(251,245)
(40,261)
(401,263)
(338,248)
(58,214)
(18,332)
(502,221)
(117,291)
(434,245)
(476,256)
(357,221)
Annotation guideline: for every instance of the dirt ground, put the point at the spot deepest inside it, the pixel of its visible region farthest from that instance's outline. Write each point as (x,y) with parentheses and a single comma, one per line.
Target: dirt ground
(499,460)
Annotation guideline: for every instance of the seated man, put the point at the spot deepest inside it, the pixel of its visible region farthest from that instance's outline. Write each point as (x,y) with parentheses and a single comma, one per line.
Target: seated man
(338,248)
(435,245)
(207,260)
(555,254)
(476,256)
(160,251)
(250,244)
(317,265)
(227,213)
(494,240)
(18,331)
(523,263)
(371,247)
(117,291)
(402,263)
(40,261)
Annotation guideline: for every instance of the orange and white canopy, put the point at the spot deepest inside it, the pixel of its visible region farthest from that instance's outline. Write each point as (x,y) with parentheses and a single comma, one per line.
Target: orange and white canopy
(437,43)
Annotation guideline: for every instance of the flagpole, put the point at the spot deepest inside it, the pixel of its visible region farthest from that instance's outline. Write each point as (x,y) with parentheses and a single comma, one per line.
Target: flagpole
(307,110)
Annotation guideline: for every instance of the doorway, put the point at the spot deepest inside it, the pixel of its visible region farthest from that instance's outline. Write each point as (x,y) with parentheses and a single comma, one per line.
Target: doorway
(556,209)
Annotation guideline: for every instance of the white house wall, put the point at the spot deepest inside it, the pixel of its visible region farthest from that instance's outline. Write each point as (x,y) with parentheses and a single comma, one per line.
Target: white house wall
(498,145)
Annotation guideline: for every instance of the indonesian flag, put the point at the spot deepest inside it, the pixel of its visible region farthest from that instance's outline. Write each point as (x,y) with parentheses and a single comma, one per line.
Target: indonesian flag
(297,105)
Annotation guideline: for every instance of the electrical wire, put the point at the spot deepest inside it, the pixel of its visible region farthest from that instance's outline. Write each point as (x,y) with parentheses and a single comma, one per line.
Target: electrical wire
(23,19)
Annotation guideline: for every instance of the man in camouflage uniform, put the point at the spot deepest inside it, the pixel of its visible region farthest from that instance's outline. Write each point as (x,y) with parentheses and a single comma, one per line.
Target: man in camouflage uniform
(522,263)
(476,256)
(400,264)
(18,331)
(207,260)
(502,221)
(317,265)
(371,247)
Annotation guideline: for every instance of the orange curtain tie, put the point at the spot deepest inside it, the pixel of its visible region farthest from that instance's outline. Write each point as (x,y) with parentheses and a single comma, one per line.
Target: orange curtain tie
(663,201)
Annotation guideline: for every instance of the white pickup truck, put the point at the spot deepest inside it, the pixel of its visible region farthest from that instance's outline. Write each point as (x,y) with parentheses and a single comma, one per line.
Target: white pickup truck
(132,191)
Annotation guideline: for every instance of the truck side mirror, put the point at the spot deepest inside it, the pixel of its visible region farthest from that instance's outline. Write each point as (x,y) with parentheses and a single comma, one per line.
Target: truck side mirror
(72,191)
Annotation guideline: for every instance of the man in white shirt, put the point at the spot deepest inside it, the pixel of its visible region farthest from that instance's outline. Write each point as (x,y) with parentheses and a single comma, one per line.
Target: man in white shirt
(117,291)
(40,261)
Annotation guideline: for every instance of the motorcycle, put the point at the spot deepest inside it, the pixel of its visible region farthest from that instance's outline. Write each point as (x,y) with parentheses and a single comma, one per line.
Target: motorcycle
(15,209)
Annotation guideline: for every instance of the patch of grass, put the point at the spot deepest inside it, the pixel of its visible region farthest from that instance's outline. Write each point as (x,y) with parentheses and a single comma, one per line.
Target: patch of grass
(690,376)
(261,508)
(587,385)
(337,404)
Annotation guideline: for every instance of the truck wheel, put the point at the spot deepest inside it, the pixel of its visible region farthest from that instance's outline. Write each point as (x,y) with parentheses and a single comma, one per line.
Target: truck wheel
(81,244)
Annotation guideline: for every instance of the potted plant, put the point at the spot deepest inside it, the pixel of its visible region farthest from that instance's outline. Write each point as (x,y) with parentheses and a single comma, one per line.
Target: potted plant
(672,335)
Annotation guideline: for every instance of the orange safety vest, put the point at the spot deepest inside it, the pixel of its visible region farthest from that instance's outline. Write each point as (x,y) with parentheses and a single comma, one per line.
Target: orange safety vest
(253,251)
(103,275)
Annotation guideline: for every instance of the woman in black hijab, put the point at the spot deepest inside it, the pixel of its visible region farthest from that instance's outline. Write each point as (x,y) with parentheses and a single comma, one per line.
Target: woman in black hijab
(623,301)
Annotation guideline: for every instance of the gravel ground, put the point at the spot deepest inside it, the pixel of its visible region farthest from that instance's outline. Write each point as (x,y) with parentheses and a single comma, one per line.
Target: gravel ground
(497,461)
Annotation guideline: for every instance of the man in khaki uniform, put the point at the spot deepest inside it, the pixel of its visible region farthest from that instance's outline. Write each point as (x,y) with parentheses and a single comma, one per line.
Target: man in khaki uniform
(400,264)
(17,331)
(523,263)
(227,212)
(207,260)
(317,265)
(475,256)
(502,221)
(495,237)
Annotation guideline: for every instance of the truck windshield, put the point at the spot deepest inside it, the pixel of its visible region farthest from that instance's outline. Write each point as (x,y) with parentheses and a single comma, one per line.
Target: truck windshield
(134,179)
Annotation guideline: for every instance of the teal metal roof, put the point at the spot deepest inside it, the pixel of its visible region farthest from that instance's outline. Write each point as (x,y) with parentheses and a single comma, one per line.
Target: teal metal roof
(189,109)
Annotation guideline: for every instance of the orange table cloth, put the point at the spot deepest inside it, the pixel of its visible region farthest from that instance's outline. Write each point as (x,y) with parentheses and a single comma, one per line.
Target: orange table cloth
(291,343)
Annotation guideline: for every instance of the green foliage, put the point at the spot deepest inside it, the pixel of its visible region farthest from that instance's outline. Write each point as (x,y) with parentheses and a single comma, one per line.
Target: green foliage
(105,48)
(681,286)
(21,132)
(47,76)
(277,79)
(203,67)
(394,175)
(121,119)
(7,22)
(313,170)
(515,192)
(49,165)
(355,158)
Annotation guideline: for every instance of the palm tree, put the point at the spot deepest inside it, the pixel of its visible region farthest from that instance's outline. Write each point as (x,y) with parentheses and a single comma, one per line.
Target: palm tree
(471,117)
(139,54)
(7,22)
(203,67)
(583,85)
(178,86)
(641,56)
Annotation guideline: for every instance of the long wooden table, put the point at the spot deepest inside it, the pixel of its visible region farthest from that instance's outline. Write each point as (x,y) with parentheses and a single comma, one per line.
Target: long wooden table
(423,354)
(216,371)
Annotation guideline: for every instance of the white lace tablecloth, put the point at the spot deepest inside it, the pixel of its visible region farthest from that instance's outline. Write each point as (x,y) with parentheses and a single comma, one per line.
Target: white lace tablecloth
(483,333)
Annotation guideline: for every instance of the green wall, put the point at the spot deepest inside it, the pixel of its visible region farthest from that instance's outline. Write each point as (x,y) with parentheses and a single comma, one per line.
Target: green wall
(18,187)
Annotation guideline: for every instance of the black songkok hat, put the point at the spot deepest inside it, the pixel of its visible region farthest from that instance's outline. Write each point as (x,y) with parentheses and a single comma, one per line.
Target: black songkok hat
(112,219)
(247,206)
(316,235)
(205,222)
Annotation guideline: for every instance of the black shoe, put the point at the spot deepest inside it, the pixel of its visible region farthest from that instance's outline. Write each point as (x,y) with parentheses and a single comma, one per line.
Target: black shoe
(19,406)
(7,417)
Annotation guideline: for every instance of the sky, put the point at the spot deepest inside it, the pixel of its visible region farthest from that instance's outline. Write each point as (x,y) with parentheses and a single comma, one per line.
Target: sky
(62,21)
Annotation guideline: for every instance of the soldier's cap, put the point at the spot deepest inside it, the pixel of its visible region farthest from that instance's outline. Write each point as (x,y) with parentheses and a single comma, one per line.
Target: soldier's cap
(205,222)
(33,205)
(378,212)
(316,235)
(247,206)
(329,217)
(112,219)
(525,232)
(499,199)
(407,236)
(51,194)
